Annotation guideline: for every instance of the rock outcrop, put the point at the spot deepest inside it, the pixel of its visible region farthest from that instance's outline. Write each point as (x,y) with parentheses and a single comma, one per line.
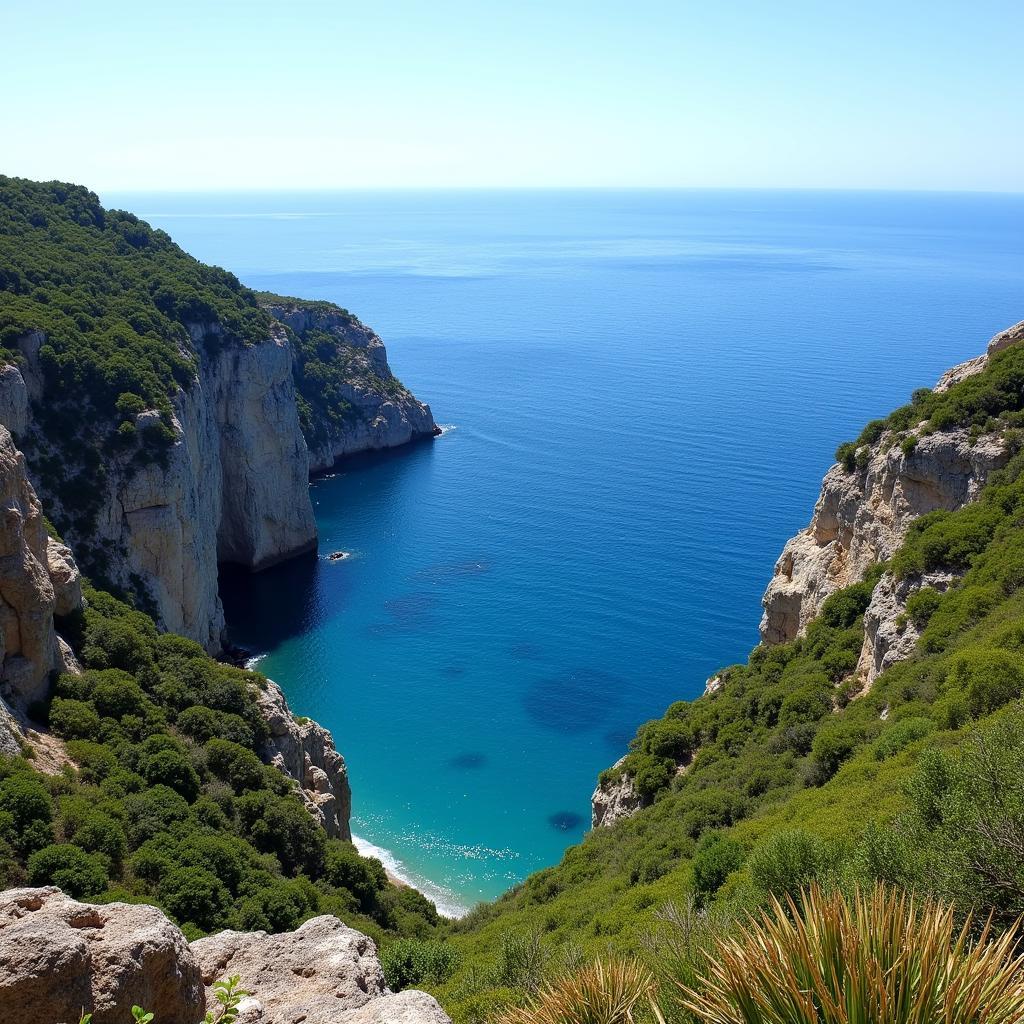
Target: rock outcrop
(304,751)
(59,958)
(862,516)
(322,973)
(38,579)
(381,412)
(613,801)
(890,634)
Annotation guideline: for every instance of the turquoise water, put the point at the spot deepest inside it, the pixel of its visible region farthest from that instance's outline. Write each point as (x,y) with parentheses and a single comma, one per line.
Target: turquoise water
(641,393)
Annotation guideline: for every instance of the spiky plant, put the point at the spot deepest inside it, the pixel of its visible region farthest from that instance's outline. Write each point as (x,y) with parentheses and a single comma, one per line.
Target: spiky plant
(881,958)
(604,992)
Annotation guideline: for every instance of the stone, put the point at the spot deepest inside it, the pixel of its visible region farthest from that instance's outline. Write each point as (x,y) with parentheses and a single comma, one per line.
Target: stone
(322,973)
(615,801)
(889,633)
(59,957)
(861,518)
(304,751)
(28,596)
(385,413)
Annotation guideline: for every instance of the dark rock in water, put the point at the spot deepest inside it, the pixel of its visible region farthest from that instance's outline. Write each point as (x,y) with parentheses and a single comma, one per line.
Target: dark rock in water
(472,759)
(339,556)
(232,654)
(566,821)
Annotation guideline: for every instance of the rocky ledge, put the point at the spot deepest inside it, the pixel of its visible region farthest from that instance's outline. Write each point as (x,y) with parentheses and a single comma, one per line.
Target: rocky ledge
(60,958)
(381,411)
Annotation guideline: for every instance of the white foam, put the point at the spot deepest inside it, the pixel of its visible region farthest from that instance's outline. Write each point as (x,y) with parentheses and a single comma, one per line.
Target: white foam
(445,900)
(252,663)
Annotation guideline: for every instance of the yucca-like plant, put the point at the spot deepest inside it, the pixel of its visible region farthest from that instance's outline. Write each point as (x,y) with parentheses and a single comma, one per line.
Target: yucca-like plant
(604,992)
(881,958)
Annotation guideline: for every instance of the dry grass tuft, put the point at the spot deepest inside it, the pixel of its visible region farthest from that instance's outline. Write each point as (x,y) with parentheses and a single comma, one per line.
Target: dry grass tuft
(881,958)
(605,992)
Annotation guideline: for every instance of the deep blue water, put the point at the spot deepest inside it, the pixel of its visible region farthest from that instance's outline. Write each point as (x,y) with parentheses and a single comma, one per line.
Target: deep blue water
(642,392)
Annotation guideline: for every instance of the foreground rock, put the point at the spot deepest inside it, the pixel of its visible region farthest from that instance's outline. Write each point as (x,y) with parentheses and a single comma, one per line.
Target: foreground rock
(304,750)
(322,973)
(59,958)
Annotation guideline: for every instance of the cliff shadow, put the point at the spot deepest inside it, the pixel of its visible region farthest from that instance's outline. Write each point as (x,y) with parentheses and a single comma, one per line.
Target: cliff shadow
(263,609)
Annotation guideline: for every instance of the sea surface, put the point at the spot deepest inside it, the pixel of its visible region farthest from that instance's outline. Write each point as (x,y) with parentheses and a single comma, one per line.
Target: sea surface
(640,393)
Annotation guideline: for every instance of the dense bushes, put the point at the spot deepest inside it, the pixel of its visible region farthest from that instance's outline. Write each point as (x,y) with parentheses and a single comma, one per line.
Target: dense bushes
(171,804)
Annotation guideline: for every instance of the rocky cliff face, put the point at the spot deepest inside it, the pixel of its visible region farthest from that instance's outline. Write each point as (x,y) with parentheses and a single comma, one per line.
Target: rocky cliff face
(861,518)
(375,410)
(304,751)
(38,580)
(60,958)
(231,487)
(613,801)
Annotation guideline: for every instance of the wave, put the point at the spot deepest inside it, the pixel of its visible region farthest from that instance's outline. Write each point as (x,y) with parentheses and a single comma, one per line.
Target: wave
(446,901)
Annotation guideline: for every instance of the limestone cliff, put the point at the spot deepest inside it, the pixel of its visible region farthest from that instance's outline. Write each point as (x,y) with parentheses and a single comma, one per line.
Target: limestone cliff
(38,580)
(861,517)
(304,751)
(231,486)
(370,408)
(614,800)
(60,958)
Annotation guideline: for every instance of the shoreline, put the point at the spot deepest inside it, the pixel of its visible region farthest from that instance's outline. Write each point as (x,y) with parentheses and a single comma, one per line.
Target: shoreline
(446,902)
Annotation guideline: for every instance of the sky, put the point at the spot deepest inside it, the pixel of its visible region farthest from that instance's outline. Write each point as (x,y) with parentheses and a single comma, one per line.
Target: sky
(319,94)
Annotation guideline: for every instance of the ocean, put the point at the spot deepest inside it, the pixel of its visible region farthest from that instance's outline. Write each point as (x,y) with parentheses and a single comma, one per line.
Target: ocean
(640,391)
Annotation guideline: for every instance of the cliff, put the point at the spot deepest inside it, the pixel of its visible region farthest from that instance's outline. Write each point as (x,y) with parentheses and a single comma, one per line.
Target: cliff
(366,407)
(38,581)
(60,958)
(167,420)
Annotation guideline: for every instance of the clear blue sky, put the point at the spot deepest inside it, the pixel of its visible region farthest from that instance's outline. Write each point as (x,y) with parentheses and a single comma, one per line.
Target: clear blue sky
(330,93)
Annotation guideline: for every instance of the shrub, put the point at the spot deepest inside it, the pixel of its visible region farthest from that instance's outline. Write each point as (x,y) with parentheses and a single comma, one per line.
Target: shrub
(883,957)
(72,869)
(408,962)
(716,857)
(172,769)
(195,896)
(788,862)
(990,678)
(74,719)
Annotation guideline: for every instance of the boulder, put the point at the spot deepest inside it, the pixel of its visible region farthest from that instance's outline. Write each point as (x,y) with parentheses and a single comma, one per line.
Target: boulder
(60,958)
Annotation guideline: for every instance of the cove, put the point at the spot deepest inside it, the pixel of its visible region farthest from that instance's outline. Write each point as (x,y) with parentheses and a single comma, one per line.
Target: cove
(641,392)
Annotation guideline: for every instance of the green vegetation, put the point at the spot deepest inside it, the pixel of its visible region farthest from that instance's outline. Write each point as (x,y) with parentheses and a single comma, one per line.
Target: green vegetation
(985,402)
(170,803)
(789,776)
(833,961)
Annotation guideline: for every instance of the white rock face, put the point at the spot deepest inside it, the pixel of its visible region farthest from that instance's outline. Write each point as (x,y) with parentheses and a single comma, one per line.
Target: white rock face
(612,803)
(38,577)
(889,633)
(304,751)
(233,487)
(384,413)
(322,973)
(59,958)
(862,517)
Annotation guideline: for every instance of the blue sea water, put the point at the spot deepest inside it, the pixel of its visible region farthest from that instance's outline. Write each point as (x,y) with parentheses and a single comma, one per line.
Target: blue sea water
(641,392)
